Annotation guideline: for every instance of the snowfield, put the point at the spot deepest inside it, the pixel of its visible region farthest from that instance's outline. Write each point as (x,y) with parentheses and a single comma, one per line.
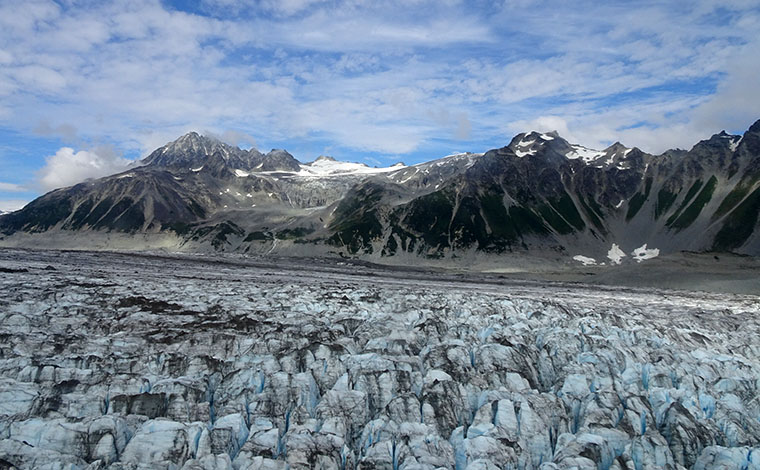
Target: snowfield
(153,362)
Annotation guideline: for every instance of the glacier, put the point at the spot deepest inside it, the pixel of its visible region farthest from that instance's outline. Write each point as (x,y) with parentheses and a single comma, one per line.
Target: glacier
(155,361)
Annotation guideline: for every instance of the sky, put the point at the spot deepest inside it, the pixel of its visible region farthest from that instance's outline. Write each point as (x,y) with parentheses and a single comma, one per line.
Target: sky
(87,87)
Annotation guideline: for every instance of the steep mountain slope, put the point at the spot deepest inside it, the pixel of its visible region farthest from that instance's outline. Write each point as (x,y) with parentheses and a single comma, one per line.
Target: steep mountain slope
(540,193)
(195,187)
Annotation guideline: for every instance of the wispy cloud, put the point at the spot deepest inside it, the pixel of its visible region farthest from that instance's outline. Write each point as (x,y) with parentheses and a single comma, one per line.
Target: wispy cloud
(12,187)
(371,79)
(10,205)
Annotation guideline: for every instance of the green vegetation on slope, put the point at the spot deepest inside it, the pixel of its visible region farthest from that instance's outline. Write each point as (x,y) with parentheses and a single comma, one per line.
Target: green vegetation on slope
(689,195)
(357,221)
(665,199)
(638,200)
(497,218)
(430,216)
(692,212)
(736,195)
(562,215)
(739,224)
(592,214)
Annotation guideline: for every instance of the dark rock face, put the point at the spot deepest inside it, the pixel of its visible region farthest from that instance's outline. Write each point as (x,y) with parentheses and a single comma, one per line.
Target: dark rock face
(543,192)
(539,193)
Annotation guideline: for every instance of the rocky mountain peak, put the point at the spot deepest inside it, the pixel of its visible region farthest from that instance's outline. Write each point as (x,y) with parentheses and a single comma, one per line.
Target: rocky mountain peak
(193,149)
(750,141)
(278,160)
(754,128)
(616,147)
(533,143)
(721,142)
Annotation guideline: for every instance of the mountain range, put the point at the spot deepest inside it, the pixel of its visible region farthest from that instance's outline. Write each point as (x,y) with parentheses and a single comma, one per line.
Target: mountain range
(540,194)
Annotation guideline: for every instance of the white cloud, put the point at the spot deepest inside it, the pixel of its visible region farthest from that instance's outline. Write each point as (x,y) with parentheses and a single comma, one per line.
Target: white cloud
(68,167)
(545,124)
(233,137)
(12,187)
(386,76)
(289,7)
(10,205)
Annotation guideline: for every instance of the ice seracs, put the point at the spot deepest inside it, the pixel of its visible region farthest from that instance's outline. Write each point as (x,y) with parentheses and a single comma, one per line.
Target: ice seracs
(296,366)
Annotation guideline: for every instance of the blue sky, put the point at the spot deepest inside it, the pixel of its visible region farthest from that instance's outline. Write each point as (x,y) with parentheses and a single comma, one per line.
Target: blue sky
(88,86)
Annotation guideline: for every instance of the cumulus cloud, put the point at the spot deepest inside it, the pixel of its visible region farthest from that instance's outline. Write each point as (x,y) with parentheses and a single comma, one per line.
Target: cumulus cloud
(68,167)
(374,76)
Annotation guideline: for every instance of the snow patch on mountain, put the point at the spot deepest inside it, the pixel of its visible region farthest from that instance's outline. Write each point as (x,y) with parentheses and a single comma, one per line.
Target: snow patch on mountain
(326,166)
(586,154)
(585,260)
(525,153)
(734,144)
(615,254)
(642,253)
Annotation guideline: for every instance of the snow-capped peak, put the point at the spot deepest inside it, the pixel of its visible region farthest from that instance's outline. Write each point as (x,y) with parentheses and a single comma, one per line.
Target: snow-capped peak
(535,143)
(328,166)
(614,153)
(530,143)
(584,153)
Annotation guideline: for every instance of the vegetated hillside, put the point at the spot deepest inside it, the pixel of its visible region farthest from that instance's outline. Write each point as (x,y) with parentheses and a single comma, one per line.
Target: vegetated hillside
(542,192)
(538,194)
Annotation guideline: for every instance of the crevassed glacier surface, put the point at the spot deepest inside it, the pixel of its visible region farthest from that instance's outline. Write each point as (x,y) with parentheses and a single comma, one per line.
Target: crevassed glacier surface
(140,362)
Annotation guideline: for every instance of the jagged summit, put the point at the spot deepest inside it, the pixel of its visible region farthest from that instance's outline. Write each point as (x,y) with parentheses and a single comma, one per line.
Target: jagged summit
(539,193)
(535,143)
(194,150)
(277,160)
(616,147)
(552,147)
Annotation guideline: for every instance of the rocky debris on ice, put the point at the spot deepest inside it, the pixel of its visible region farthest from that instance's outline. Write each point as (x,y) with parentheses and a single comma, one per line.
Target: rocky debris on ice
(112,363)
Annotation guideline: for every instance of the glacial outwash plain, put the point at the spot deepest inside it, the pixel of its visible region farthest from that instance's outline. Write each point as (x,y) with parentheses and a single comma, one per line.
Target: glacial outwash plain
(539,306)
